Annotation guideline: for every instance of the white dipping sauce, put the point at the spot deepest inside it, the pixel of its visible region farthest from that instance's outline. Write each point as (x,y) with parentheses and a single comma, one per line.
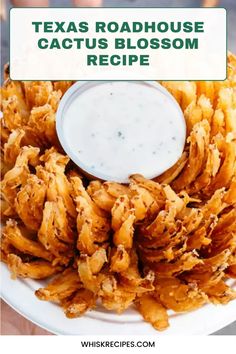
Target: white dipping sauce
(114,129)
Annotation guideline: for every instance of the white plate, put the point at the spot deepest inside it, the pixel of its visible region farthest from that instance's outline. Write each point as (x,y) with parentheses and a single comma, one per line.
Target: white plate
(19,294)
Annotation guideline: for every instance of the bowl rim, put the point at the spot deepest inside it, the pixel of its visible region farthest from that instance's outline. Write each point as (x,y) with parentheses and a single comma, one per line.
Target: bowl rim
(80,87)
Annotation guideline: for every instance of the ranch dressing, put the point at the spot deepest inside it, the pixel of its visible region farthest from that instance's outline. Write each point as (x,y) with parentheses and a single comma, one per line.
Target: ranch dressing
(114,129)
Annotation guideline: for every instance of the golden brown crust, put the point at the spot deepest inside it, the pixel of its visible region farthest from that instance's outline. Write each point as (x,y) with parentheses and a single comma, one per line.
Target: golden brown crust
(163,244)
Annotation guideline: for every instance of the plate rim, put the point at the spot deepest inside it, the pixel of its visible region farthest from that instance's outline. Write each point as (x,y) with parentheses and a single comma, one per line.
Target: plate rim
(20,309)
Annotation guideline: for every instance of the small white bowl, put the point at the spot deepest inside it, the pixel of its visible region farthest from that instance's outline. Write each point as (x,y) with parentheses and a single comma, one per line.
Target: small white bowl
(80,87)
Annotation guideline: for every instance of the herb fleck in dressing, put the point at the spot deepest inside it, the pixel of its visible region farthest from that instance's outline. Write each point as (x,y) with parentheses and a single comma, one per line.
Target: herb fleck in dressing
(115,129)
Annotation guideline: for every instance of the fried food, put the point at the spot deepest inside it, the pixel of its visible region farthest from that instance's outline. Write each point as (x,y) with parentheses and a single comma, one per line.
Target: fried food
(35,270)
(162,244)
(14,106)
(55,233)
(39,93)
(42,124)
(92,222)
(63,286)
(199,142)
(80,302)
(153,312)
(120,259)
(29,202)
(13,234)
(12,146)
(17,176)
(53,175)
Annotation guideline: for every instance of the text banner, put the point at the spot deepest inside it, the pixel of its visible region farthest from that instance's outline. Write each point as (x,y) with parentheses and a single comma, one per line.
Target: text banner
(118,44)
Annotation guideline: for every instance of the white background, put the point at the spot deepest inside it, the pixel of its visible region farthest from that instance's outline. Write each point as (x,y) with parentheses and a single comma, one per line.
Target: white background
(72,344)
